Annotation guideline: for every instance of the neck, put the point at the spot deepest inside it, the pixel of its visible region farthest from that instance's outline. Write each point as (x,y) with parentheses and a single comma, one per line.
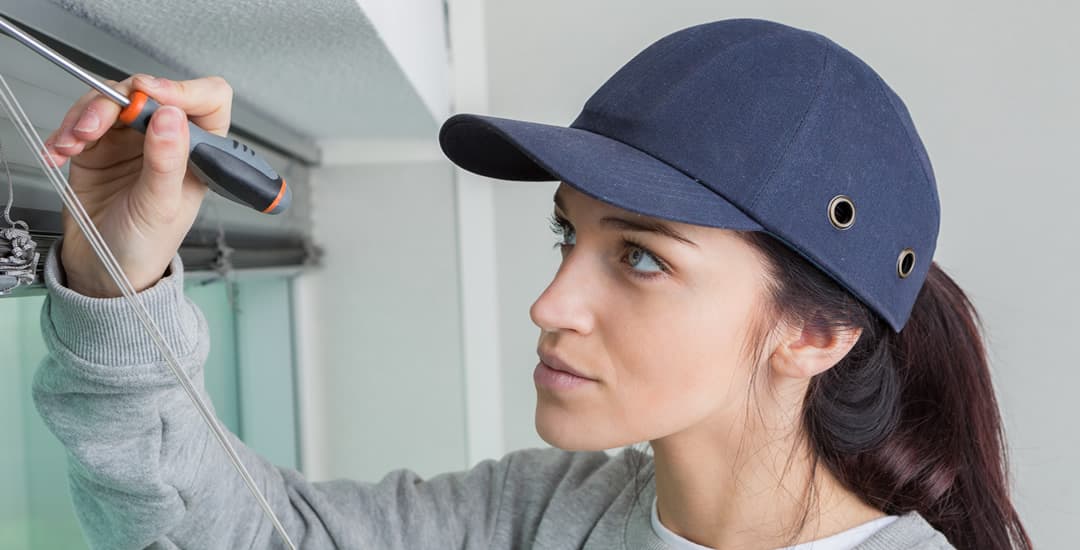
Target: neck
(728,489)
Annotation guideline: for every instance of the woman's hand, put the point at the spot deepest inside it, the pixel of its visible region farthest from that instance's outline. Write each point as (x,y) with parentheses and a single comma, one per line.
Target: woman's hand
(137,188)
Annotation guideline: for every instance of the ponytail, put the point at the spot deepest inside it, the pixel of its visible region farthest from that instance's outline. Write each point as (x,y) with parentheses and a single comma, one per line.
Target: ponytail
(908,421)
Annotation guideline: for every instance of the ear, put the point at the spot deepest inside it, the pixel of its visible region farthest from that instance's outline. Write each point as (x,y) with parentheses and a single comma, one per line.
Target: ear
(805,351)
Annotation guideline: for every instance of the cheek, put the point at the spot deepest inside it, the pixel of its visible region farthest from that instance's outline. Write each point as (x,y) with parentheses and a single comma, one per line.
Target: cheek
(680,363)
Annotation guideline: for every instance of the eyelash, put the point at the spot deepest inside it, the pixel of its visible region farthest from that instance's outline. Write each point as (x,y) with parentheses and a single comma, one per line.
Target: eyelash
(561,226)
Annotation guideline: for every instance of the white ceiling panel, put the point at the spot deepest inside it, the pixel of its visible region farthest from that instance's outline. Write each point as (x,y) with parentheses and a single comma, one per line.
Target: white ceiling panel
(319,67)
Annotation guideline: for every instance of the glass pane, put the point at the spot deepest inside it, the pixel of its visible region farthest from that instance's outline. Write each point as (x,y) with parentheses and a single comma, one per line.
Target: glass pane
(215,300)
(14,515)
(35,501)
(265,369)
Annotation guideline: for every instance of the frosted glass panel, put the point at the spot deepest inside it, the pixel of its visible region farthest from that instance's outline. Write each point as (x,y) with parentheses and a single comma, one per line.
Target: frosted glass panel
(220,370)
(14,516)
(265,369)
(35,503)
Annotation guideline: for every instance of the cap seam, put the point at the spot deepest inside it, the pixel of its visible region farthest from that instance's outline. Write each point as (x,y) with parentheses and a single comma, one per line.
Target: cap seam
(907,132)
(693,178)
(798,130)
(730,49)
(879,307)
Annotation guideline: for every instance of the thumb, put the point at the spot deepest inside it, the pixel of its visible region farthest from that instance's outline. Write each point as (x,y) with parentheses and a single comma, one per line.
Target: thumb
(165,156)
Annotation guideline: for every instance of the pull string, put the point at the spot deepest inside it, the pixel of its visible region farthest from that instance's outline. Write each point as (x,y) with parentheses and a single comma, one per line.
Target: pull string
(222,263)
(112,266)
(18,251)
(11,193)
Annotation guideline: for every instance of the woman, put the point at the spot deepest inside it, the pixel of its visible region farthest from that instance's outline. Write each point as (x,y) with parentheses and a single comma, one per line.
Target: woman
(747,220)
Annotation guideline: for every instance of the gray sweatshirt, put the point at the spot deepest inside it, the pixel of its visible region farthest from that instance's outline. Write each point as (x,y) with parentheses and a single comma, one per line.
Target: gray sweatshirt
(145,472)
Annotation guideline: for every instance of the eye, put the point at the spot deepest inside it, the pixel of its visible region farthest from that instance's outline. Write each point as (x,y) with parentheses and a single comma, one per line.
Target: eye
(642,260)
(562,228)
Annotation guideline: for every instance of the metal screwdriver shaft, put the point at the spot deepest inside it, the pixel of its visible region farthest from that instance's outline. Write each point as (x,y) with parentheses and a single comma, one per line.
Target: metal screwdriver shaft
(230,168)
(62,62)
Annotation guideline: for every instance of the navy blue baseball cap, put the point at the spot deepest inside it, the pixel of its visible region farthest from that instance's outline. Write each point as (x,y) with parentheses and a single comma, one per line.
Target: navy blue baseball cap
(748,125)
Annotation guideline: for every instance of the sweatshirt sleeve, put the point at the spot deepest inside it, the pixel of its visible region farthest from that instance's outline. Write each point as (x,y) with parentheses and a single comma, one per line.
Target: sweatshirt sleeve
(145,471)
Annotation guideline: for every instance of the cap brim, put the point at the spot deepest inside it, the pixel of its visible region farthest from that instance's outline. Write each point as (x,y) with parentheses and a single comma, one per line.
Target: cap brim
(601,167)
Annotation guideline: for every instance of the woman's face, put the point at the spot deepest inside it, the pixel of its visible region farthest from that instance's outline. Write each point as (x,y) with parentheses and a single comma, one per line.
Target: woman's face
(654,317)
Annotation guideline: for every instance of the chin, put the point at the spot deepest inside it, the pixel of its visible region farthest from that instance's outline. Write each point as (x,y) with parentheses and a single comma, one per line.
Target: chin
(567,440)
(572,432)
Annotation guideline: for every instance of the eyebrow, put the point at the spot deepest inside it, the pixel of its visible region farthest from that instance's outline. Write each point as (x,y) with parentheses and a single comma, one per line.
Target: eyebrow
(634,225)
(646,226)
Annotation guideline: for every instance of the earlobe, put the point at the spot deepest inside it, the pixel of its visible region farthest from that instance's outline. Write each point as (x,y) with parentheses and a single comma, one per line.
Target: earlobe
(804,352)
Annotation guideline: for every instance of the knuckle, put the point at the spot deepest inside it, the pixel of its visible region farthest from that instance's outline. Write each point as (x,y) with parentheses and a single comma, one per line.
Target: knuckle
(174,86)
(125,86)
(164,163)
(221,86)
(105,110)
(86,98)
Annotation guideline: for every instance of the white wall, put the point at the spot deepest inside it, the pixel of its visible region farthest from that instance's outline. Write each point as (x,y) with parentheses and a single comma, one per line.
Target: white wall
(415,33)
(992,87)
(379,325)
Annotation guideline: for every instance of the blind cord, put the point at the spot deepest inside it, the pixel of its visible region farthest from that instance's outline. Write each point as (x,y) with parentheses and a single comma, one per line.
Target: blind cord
(18,251)
(112,266)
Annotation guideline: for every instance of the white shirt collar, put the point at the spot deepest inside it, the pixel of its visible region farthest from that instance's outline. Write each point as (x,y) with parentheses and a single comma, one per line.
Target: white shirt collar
(845,540)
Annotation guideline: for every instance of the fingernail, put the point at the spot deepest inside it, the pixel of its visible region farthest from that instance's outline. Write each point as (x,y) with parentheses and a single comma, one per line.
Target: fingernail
(148,81)
(88,122)
(52,159)
(166,122)
(64,140)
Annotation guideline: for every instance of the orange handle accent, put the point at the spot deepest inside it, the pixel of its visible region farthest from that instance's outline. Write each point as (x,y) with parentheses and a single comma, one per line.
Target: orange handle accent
(131,112)
(281,193)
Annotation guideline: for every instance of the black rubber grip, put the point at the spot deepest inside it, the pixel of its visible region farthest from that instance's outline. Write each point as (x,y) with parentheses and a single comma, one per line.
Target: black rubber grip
(239,181)
(230,168)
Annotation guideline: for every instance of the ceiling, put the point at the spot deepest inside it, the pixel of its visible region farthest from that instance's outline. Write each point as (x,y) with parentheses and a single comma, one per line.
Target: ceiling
(317,67)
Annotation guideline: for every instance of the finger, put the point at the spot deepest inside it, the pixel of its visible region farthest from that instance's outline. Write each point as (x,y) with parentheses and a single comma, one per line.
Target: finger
(165,155)
(54,159)
(61,139)
(121,145)
(66,141)
(207,101)
(99,114)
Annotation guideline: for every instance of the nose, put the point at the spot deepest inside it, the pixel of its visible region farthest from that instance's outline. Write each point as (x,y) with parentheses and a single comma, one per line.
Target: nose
(566,304)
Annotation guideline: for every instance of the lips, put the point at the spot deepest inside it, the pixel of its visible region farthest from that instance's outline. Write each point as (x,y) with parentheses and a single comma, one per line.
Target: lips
(553,361)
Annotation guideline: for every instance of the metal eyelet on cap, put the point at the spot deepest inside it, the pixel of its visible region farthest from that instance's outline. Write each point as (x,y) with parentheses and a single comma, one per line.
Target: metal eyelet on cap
(841,212)
(905,263)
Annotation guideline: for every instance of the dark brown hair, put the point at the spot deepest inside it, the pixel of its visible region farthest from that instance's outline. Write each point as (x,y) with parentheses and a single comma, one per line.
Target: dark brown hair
(907,421)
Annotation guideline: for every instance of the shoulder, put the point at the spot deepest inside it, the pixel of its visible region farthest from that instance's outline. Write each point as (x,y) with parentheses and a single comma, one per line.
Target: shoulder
(556,496)
(556,467)
(909,532)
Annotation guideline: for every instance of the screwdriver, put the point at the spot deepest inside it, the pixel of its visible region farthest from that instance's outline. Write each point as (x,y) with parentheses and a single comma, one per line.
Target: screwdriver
(230,168)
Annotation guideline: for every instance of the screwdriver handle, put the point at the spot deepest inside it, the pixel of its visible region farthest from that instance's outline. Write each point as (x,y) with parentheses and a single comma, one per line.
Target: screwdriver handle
(230,168)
